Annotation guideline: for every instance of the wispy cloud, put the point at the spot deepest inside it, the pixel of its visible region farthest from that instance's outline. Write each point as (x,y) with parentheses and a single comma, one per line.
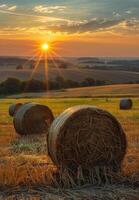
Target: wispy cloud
(12,8)
(117,15)
(3,6)
(88,26)
(48,9)
(128,12)
(116,25)
(40,18)
(6,7)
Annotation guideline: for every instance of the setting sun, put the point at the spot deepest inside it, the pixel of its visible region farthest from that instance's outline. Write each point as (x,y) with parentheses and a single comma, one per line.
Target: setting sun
(45,47)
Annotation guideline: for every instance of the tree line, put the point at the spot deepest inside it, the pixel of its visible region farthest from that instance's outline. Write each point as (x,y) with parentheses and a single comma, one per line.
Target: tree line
(15,86)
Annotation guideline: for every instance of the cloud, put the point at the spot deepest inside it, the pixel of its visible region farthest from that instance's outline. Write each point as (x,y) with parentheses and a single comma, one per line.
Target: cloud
(127,27)
(88,26)
(3,6)
(6,7)
(117,15)
(39,18)
(117,26)
(132,25)
(48,9)
(12,8)
(128,12)
(88,29)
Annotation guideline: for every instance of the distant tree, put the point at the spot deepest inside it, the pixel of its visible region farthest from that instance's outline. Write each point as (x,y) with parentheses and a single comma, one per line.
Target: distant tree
(60,82)
(33,86)
(13,85)
(10,86)
(88,82)
(53,85)
(130,82)
(19,67)
(63,65)
(100,82)
(72,84)
(32,66)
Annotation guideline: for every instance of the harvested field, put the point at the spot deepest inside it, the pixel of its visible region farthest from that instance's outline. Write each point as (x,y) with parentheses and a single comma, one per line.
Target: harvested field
(27,171)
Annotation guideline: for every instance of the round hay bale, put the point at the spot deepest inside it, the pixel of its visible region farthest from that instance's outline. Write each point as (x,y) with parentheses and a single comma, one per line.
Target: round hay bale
(126,104)
(88,137)
(33,118)
(14,108)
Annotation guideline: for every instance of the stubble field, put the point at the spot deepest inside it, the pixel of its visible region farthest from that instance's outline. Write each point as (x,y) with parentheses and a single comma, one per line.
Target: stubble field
(26,169)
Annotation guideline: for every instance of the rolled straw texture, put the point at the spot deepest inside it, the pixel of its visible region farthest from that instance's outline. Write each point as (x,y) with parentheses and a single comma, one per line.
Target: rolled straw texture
(33,118)
(86,136)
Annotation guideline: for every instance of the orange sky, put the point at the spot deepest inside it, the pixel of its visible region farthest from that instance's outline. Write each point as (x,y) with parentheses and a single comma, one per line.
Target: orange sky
(91,28)
(86,45)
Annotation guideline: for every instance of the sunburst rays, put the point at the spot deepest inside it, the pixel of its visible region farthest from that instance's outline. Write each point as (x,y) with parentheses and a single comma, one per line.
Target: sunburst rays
(46,53)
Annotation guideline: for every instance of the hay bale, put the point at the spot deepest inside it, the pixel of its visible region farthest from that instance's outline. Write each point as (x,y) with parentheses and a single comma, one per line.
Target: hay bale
(86,136)
(33,118)
(126,104)
(14,108)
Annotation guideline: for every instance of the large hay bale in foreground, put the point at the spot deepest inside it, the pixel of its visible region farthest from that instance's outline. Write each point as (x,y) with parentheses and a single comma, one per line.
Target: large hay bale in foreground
(33,118)
(86,136)
(126,104)
(14,108)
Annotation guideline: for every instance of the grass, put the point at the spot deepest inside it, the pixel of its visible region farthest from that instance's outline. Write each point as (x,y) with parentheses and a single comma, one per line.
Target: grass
(24,162)
(29,145)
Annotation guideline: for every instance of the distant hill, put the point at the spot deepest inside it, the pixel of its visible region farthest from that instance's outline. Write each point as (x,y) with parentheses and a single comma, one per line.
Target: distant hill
(110,64)
(104,69)
(110,76)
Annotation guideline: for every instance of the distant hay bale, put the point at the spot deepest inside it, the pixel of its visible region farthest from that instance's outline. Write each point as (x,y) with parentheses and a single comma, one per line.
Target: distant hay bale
(14,108)
(33,118)
(126,104)
(86,136)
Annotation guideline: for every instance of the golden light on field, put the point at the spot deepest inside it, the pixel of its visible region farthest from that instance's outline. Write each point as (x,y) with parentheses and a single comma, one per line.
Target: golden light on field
(45,47)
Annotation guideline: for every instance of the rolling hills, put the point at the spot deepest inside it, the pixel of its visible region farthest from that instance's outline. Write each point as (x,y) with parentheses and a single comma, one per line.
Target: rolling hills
(74,74)
(77,69)
(121,90)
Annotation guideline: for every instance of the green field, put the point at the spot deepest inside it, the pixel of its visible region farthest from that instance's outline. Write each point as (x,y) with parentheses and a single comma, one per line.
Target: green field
(24,160)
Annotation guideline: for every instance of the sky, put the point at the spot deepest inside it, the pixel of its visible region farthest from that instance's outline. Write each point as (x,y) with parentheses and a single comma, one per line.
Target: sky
(76,27)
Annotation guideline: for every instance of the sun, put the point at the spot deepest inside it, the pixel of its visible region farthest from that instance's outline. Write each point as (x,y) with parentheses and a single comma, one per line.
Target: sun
(45,47)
